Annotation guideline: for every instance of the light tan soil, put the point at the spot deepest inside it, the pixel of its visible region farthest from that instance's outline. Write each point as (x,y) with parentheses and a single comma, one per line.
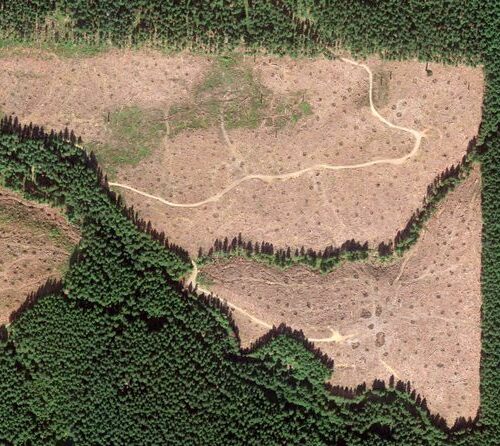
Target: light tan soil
(35,243)
(417,318)
(317,209)
(79,93)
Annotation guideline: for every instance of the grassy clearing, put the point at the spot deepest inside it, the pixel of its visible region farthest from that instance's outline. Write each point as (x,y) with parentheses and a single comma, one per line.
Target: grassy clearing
(134,134)
(290,110)
(47,49)
(203,280)
(231,94)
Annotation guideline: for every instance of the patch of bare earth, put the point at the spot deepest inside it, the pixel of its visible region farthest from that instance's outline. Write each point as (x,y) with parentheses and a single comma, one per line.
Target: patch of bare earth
(35,244)
(316,209)
(417,318)
(320,207)
(78,93)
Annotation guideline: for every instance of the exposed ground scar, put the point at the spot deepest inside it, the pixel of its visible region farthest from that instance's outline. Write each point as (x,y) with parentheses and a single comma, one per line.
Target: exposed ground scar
(418,135)
(191,280)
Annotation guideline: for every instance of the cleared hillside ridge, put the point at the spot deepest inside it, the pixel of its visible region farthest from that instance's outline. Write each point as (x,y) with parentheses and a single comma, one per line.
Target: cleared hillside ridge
(316,209)
(351,250)
(417,318)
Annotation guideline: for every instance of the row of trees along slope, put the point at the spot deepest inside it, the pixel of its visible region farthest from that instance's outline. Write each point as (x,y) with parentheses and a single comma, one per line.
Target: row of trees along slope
(330,257)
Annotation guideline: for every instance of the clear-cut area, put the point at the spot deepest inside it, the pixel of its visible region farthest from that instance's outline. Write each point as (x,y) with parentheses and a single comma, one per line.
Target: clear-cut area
(417,318)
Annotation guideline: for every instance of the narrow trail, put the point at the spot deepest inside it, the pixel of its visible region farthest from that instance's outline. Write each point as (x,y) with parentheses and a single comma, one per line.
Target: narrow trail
(191,280)
(286,176)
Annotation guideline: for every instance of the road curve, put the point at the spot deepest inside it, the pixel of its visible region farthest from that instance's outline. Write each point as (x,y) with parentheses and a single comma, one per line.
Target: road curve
(418,135)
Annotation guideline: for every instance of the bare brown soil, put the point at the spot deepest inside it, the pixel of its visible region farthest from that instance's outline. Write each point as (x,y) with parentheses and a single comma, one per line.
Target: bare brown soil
(317,209)
(35,243)
(417,318)
(78,93)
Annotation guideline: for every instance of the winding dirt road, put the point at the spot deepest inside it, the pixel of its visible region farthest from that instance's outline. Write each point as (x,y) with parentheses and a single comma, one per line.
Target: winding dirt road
(418,135)
(191,280)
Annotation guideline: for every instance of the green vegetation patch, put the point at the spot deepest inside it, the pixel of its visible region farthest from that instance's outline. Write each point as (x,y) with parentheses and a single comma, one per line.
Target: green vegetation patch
(289,109)
(290,353)
(231,95)
(203,280)
(10,47)
(134,134)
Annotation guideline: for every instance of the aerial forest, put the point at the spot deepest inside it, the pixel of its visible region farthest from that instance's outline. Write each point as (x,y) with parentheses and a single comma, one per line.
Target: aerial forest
(119,352)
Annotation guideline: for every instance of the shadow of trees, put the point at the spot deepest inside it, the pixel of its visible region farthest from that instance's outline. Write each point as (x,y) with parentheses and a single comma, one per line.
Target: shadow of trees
(331,256)
(51,286)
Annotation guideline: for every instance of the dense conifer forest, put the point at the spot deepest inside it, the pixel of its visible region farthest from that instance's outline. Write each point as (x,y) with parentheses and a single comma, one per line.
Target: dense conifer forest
(119,352)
